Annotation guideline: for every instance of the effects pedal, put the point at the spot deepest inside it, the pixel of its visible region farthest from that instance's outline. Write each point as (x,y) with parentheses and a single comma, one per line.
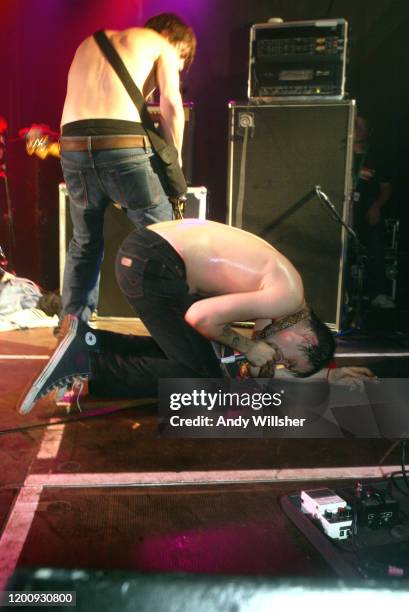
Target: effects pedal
(330,510)
(374,508)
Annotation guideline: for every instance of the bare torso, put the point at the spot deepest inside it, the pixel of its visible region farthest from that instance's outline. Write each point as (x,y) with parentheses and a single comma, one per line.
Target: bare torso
(95,92)
(222,260)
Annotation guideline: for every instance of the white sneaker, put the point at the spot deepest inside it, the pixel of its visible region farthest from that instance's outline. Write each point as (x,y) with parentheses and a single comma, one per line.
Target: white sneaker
(383,301)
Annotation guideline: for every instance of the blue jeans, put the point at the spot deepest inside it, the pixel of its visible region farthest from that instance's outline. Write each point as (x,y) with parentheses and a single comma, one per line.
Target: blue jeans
(152,276)
(95,179)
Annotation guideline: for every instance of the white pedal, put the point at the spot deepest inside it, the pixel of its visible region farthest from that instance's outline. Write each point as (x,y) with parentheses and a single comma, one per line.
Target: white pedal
(330,510)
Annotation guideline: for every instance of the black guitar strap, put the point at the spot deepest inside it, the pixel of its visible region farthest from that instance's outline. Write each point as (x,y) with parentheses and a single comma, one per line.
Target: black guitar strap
(158,143)
(176,183)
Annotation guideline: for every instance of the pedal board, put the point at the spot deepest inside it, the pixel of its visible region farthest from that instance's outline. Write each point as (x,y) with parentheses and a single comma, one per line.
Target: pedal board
(362,531)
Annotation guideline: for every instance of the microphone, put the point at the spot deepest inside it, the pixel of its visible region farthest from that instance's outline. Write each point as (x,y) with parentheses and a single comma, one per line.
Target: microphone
(233,358)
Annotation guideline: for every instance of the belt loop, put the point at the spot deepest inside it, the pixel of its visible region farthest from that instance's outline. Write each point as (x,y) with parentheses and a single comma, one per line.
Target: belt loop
(146,142)
(89,149)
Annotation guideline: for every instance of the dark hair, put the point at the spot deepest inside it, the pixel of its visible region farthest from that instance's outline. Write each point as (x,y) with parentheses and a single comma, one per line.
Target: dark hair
(176,32)
(320,354)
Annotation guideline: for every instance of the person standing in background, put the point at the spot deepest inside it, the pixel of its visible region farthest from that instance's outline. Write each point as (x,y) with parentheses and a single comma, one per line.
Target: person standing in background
(106,156)
(372,191)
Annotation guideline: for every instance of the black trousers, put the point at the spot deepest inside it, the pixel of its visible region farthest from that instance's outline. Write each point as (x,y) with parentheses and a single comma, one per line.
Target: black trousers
(372,238)
(152,276)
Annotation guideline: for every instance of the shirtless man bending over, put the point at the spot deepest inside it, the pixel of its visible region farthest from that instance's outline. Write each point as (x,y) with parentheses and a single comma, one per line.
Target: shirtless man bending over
(188,281)
(105,154)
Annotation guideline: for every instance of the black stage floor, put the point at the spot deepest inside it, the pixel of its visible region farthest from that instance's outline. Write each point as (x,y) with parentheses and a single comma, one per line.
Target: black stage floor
(106,492)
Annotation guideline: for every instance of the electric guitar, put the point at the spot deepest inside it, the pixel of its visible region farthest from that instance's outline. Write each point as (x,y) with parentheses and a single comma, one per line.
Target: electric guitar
(41,140)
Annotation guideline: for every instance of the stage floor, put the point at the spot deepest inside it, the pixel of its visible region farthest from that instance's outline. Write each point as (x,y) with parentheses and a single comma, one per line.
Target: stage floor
(103,490)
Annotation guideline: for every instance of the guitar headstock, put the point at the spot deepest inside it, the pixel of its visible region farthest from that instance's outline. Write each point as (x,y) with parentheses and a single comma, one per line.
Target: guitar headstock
(40,139)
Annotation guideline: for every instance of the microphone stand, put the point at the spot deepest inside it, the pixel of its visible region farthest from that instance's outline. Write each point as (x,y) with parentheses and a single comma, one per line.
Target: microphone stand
(360,253)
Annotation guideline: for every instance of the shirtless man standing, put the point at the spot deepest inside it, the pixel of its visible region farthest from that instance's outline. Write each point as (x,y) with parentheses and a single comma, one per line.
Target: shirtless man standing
(105,154)
(188,281)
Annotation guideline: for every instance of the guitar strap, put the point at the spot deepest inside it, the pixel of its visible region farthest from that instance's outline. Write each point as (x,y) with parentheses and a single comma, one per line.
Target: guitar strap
(176,182)
(159,145)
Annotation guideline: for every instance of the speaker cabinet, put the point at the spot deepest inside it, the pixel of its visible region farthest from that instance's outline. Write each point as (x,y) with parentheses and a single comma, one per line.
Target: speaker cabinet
(278,153)
(117,226)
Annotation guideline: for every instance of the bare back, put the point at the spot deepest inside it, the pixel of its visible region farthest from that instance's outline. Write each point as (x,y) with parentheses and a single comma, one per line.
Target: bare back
(95,92)
(221,259)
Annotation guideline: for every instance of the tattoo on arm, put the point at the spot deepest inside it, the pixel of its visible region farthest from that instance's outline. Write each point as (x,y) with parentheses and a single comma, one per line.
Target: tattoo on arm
(226,330)
(234,339)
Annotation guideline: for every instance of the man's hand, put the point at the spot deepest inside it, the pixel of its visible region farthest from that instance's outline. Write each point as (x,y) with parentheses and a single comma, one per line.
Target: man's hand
(352,377)
(373,214)
(262,360)
(260,353)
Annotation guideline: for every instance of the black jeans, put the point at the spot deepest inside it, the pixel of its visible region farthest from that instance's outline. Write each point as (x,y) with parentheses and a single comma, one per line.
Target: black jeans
(371,236)
(152,276)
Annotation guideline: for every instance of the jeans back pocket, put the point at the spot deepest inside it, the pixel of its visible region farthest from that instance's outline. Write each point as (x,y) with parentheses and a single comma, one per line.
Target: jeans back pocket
(76,186)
